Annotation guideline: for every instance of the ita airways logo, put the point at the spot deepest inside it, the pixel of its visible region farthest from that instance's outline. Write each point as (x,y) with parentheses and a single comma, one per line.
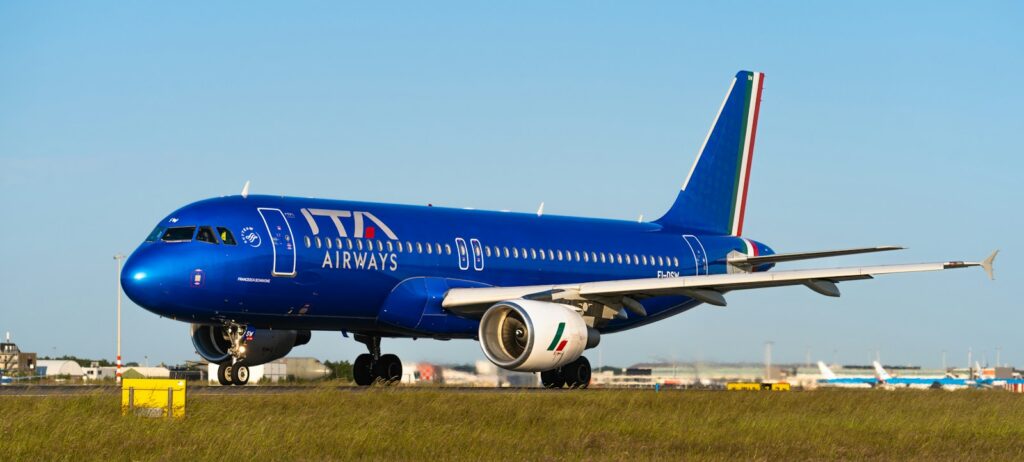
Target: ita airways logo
(251,237)
(557,343)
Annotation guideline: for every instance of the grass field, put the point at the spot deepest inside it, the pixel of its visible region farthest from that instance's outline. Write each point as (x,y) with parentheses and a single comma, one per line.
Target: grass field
(435,424)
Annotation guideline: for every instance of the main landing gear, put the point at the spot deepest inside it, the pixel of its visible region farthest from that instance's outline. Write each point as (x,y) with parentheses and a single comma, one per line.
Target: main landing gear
(373,367)
(573,375)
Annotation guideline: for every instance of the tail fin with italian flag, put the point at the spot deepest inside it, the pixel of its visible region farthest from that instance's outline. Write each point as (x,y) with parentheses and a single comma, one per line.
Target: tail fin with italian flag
(714,196)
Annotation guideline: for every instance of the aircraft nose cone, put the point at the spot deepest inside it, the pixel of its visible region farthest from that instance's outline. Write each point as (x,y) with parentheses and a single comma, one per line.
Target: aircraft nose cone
(137,280)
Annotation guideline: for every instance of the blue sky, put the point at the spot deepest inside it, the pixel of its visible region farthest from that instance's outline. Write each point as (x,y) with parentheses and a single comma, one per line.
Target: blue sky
(880,124)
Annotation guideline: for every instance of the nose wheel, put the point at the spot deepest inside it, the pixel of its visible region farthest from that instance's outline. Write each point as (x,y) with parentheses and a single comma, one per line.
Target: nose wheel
(373,367)
(232,374)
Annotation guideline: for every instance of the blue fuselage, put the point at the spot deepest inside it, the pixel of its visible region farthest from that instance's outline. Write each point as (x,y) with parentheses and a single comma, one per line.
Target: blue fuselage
(295,263)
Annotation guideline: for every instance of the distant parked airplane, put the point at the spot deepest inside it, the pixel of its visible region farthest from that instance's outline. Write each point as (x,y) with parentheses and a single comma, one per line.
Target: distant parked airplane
(253,275)
(830,379)
(946,382)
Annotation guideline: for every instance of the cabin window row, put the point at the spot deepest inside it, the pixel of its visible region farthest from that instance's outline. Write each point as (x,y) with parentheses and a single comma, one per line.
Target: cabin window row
(580,256)
(493,251)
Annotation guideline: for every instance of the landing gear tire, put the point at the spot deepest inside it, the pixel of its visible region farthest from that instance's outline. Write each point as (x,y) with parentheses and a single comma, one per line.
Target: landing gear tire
(577,373)
(362,370)
(388,369)
(224,374)
(239,374)
(552,378)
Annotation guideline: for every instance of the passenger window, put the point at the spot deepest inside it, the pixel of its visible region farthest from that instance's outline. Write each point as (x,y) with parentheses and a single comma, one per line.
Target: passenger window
(380,246)
(542,255)
(438,247)
(430,249)
(675,261)
(327,242)
(576,255)
(586,258)
(551,254)
(559,253)
(419,247)
(533,254)
(305,240)
(618,258)
(636,260)
(487,251)
(523,253)
(179,234)
(506,252)
(348,243)
(643,258)
(408,246)
(206,234)
(318,242)
(337,243)
(661,262)
(390,247)
(447,249)
(155,234)
(593,257)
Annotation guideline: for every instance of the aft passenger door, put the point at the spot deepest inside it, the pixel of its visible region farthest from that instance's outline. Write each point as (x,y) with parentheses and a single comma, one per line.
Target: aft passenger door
(700,257)
(282,242)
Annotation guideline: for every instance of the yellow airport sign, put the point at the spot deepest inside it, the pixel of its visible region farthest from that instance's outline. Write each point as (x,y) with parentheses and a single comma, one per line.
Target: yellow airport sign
(778,386)
(153,397)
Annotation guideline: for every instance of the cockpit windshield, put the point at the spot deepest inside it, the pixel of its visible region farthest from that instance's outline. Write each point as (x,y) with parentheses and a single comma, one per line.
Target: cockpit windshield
(206,235)
(226,236)
(179,234)
(153,236)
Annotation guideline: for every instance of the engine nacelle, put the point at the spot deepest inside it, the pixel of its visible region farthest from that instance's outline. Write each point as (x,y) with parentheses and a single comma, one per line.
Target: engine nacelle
(533,336)
(214,344)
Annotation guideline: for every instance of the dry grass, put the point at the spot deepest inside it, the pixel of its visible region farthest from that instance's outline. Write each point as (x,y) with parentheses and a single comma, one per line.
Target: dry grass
(403,424)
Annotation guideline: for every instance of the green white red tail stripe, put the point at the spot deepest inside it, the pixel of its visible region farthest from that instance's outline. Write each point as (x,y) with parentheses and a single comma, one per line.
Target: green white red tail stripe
(755,83)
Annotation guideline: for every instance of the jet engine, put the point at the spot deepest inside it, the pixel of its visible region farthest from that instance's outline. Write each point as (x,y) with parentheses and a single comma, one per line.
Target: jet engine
(533,336)
(213,343)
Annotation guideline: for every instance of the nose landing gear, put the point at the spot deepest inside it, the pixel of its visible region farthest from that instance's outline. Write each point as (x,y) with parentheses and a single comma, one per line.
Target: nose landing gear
(234,371)
(373,367)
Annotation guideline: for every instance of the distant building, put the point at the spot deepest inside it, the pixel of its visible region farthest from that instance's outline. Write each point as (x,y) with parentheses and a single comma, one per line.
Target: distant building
(14,361)
(59,367)
(146,373)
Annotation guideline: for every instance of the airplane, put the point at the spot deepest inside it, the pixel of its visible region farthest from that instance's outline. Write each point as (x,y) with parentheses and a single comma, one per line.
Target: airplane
(946,382)
(254,274)
(830,379)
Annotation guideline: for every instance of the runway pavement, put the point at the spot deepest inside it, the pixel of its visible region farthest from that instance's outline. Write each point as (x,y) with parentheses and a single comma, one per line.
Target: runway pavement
(74,390)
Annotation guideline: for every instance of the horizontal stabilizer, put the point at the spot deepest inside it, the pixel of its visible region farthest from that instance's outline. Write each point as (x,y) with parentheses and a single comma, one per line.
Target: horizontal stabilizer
(747,260)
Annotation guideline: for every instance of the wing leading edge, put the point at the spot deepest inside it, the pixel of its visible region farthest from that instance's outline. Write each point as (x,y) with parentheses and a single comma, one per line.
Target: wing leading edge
(708,289)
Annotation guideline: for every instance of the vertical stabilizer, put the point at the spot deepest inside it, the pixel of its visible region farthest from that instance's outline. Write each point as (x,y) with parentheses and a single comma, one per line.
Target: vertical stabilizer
(880,372)
(714,195)
(825,371)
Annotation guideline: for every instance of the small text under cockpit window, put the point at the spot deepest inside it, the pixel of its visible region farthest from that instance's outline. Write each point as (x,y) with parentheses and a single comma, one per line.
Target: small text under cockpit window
(179,234)
(225,235)
(205,234)
(155,234)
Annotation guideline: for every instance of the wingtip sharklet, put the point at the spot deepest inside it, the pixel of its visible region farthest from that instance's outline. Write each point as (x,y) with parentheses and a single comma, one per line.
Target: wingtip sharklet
(988,265)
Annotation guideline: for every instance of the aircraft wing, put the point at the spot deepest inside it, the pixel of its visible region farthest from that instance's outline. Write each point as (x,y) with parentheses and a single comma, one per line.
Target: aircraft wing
(707,288)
